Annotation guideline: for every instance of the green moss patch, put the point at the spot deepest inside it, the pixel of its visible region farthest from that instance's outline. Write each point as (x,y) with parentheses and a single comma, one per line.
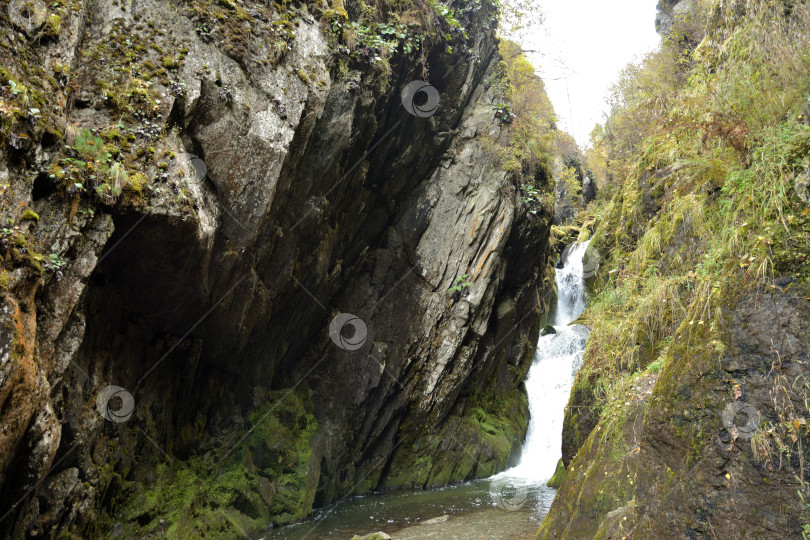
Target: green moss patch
(559,475)
(476,445)
(269,478)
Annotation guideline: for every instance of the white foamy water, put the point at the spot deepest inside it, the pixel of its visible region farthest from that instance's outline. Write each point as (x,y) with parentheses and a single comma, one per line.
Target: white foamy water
(551,376)
(477,508)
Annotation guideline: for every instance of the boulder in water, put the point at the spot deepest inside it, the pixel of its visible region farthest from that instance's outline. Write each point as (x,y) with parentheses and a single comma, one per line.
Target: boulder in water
(373,536)
(548,329)
(559,474)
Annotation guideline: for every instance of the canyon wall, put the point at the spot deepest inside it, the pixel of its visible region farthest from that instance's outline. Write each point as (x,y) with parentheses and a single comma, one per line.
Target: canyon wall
(231,231)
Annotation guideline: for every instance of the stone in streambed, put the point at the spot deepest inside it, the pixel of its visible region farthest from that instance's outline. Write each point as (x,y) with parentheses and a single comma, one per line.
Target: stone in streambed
(373,536)
(548,329)
(436,520)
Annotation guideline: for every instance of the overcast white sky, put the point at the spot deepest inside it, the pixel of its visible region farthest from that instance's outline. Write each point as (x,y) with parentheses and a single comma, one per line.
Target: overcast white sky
(585,43)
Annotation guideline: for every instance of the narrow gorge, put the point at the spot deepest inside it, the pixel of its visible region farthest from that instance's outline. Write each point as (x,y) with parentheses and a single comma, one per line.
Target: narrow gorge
(282,269)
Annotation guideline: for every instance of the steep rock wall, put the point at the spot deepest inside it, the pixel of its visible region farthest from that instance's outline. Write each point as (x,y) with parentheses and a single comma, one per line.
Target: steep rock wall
(683,462)
(208,298)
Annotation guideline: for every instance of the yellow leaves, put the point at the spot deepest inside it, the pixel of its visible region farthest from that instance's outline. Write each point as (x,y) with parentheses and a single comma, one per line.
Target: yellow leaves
(746,260)
(763,240)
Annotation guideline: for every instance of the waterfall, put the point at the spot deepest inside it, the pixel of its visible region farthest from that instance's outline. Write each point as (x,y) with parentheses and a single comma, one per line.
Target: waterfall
(522,489)
(570,289)
(551,376)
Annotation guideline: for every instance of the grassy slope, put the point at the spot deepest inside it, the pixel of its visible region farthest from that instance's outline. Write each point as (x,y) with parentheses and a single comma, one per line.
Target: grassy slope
(708,149)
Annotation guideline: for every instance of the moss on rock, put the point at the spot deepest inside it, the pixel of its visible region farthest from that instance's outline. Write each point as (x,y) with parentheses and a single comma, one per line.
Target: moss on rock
(270,477)
(478,444)
(559,475)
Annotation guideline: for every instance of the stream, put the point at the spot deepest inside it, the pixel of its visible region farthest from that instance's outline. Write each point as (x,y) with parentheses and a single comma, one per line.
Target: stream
(508,505)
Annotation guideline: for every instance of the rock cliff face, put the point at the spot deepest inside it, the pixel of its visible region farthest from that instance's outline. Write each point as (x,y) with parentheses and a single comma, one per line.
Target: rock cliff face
(670,13)
(573,190)
(275,324)
(684,463)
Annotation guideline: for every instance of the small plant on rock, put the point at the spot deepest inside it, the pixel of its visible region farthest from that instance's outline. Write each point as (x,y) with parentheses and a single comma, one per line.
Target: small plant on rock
(226,94)
(532,198)
(504,113)
(54,263)
(459,287)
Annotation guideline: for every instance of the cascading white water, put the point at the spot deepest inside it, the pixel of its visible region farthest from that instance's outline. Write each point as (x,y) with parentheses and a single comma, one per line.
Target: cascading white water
(522,488)
(570,287)
(548,384)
